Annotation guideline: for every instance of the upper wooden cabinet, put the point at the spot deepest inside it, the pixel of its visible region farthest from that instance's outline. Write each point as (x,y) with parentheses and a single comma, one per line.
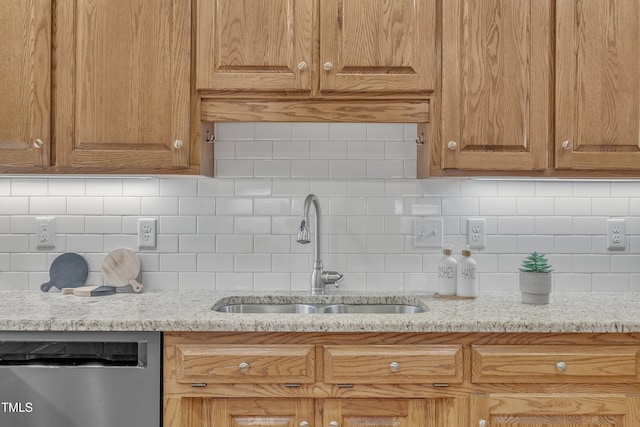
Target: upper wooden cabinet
(254,45)
(377,46)
(598,90)
(507,106)
(496,86)
(365,46)
(25,84)
(123,85)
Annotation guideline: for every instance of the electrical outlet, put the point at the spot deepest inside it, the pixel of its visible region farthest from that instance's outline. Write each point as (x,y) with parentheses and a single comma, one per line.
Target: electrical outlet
(45,232)
(427,233)
(147,230)
(616,234)
(476,238)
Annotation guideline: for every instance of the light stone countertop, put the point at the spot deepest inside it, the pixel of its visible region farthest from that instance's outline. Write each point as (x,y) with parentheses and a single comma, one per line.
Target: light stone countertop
(35,310)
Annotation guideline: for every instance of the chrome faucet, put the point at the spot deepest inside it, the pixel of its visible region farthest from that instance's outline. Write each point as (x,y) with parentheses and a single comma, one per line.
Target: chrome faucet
(319,278)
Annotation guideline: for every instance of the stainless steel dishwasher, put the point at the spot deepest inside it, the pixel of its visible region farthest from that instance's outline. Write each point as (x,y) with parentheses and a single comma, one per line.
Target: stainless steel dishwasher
(80,379)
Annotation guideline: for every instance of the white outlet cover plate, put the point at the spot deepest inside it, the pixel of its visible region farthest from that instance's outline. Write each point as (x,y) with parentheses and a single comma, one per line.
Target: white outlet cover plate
(427,233)
(476,233)
(616,234)
(45,232)
(147,231)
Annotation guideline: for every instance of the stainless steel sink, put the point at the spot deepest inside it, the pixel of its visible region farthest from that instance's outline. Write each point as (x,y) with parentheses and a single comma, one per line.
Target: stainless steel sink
(267,308)
(257,308)
(373,309)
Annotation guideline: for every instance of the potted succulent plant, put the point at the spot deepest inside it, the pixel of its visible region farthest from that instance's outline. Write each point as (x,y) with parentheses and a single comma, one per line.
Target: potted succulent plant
(535,279)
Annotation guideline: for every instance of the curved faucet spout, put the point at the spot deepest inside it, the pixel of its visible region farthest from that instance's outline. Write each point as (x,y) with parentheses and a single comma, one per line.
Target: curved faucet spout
(319,277)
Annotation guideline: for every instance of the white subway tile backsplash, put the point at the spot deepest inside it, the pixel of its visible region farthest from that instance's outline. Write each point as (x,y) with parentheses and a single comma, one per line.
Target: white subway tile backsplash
(238,230)
(359,150)
(291,149)
(310,168)
(310,131)
(347,169)
(347,132)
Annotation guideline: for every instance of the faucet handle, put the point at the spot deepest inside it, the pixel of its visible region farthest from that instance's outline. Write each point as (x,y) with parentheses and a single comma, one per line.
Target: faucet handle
(332,278)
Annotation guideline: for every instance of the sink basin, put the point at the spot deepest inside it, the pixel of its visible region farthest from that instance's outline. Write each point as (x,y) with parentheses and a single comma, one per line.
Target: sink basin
(267,308)
(373,309)
(257,308)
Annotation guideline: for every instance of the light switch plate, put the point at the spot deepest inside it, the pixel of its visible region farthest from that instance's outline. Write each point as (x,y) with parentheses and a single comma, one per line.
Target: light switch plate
(427,233)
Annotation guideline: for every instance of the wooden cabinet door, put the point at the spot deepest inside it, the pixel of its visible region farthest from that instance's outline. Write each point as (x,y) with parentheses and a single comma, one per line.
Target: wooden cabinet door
(378,412)
(261,45)
(496,85)
(377,46)
(123,84)
(558,410)
(259,412)
(25,83)
(598,89)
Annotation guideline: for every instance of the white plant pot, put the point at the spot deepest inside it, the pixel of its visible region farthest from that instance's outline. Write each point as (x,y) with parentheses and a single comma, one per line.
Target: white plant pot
(535,287)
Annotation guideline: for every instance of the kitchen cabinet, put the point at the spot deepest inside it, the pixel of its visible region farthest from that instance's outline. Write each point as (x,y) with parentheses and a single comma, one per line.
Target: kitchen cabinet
(507,105)
(598,92)
(575,384)
(496,91)
(290,60)
(321,379)
(25,84)
(403,379)
(123,92)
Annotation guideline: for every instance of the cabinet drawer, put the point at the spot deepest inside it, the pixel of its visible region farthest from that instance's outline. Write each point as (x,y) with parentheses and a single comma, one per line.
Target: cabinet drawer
(389,364)
(245,364)
(554,364)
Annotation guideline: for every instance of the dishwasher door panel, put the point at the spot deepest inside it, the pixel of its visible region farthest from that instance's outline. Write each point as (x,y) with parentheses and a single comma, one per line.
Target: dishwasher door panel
(48,393)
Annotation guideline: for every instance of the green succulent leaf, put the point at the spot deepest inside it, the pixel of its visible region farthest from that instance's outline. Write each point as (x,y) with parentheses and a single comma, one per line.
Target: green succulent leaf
(535,263)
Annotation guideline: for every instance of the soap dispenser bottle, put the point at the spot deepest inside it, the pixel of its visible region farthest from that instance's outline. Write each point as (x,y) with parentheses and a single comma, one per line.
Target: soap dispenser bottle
(467,275)
(447,272)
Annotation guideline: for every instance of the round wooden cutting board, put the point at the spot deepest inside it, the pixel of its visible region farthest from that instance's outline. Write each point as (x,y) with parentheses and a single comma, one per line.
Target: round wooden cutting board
(121,267)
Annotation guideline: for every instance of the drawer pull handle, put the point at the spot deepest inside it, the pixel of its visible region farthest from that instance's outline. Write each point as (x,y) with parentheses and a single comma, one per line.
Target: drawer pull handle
(333,424)
(394,366)
(483,423)
(567,145)
(38,143)
(452,145)
(244,367)
(304,424)
(561,366)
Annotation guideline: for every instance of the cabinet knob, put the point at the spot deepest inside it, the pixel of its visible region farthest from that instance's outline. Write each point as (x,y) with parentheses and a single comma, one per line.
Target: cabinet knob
(328,66)
(302,66)
(244,367)
(561,366)
(567,145)
(38,143)
(394,366)
(483,423)
(452,145)
(304,424)
(333,424)
(177,144)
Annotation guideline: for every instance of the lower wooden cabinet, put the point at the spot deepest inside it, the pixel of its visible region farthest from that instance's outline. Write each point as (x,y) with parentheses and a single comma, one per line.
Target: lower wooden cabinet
(592,409)
(401,380)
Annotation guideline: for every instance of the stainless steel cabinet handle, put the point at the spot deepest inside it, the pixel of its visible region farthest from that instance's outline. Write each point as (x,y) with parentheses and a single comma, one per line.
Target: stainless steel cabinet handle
(483,423)
(328,66)
(333,424)
(561,366)
(304,424)
(302,66)
(178,144)
(38,143)
(394,366)
(567,145)
(244,367)
(452,145)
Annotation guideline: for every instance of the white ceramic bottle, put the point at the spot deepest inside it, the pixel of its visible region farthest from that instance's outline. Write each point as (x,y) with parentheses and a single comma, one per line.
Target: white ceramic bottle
(447,272)
(467,275)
